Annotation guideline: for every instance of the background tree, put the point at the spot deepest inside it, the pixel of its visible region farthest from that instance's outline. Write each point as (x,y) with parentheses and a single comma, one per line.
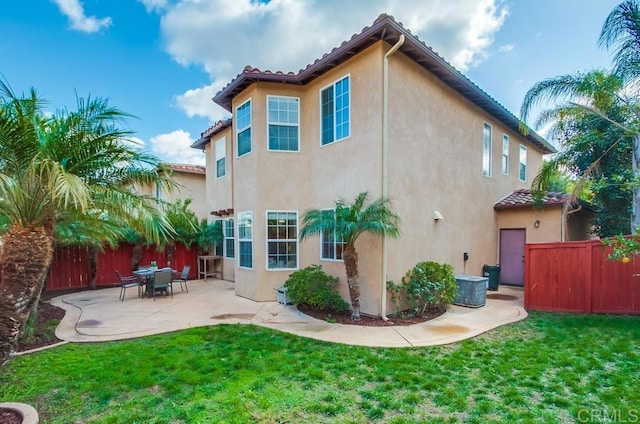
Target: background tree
(185,225)
(349,221)
(596,144)
(55,168)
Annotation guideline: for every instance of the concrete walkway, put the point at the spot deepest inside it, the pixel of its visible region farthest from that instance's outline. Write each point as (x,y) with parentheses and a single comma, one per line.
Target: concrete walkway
(95,316)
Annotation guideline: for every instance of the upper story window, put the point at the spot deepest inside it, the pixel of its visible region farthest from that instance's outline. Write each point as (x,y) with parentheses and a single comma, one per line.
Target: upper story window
(221,158)
(245,240)
(282,240)
(486,150)
(505,154)
(335,102)
(523,163)
(243,128)
(331,244)
(283,118)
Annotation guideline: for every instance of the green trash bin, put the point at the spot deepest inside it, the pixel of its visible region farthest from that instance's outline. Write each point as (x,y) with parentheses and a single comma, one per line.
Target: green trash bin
(493,273)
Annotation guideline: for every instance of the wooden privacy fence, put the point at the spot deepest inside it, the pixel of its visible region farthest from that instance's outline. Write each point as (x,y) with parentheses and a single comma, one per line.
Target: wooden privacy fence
(70,267)
(578,277)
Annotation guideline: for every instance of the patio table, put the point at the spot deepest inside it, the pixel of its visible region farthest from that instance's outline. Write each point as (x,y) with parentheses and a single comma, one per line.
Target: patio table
(147,275)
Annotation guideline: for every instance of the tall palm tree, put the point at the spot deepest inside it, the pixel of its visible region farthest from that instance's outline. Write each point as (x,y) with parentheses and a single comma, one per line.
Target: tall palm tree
(349,221)
(52,170)
(620,32)
(590,119)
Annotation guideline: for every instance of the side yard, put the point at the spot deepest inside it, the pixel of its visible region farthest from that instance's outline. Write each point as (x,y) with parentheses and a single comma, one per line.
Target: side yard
(548,368)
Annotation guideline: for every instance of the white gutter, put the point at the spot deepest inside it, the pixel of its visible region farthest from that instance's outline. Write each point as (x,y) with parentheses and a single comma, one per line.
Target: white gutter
(385,166)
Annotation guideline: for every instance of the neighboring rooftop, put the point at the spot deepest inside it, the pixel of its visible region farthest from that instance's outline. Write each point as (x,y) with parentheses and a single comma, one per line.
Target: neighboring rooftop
(387,29)
(524,198)
(186,168)
(211,132)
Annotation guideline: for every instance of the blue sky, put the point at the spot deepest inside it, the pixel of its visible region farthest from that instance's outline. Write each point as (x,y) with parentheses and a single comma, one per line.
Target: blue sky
(163,60)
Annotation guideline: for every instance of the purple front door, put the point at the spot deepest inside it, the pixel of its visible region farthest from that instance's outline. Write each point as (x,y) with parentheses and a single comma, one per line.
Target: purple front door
(512,256)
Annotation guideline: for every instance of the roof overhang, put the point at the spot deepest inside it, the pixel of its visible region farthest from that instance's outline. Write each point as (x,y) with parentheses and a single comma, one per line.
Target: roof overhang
(386,29)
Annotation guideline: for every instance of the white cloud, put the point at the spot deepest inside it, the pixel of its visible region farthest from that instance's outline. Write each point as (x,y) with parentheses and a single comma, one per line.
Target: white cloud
(154,5)
(197,102)
(74,10)
(175,147)
(506,48)
(223,36)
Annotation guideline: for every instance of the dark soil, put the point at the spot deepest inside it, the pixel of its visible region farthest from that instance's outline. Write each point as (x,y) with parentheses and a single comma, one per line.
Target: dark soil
(42,333)
(368,320)
(7,416)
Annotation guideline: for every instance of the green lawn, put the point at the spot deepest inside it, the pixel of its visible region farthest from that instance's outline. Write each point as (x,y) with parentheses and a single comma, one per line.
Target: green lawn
(548,368)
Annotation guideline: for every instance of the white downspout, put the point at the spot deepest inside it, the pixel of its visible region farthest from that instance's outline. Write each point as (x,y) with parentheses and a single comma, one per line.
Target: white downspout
(385,152)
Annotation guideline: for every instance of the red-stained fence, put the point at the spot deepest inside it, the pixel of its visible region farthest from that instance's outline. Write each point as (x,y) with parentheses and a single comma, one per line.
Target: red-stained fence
(578,277)
(70,267)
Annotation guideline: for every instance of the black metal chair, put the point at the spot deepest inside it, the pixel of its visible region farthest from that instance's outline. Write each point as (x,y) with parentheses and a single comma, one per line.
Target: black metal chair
(162,282)
(127,282)
(183,278)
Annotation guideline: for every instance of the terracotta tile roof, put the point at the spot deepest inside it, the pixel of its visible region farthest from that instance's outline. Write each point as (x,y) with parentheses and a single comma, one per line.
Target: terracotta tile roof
(523,198)
(205,137)
(387,29)
(186,168)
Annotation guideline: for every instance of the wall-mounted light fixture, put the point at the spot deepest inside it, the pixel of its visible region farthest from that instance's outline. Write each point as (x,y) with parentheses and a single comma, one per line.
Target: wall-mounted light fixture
(437,216)
(536,224)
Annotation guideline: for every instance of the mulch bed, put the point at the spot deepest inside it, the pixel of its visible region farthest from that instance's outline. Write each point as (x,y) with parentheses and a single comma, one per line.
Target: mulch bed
(368,320)
(7,416)
(46,313)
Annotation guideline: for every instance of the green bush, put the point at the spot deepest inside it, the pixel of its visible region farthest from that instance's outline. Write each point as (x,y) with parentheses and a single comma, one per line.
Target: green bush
(428,286)
(313,287)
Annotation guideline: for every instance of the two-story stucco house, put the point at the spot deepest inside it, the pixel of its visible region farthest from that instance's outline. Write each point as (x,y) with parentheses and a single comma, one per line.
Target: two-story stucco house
(382,113)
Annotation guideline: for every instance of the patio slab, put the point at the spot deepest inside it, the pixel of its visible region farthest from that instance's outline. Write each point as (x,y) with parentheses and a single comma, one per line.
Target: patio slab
(95,316)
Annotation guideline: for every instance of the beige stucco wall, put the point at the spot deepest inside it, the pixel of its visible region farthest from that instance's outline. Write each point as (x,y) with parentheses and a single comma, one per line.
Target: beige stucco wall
(313,177)
(190,186)
(435,163)
(550,218)
(219,192)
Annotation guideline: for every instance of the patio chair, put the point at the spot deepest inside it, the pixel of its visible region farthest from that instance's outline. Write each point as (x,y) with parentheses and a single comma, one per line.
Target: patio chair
(127,282)
(162,282)
(183,278)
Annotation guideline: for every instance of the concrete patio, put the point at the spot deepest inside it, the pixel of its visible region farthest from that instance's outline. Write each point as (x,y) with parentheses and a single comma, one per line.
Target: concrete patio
(96,316)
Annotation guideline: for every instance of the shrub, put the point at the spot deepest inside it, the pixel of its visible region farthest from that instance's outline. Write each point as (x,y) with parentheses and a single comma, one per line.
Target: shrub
(313,287)
(429,285)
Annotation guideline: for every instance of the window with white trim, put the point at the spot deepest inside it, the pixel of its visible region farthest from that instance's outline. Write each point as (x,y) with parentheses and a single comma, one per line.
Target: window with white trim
(283,117)
(486,150)
(221,158)
(523,163)
(228,238)
(245,240)
(505,154)
(331,244)
(218,249)
(243,128)
(335,106)
(282,239)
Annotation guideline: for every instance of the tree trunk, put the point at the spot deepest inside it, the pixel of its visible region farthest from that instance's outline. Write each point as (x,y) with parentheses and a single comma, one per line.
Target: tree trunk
(350,258)
(26,256)
(136,256)
(171,252)
(635,215)
(93,266)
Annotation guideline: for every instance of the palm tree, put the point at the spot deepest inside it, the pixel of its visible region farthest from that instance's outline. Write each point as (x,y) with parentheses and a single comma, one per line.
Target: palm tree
(620,32)
(54,169)
(593,134)
(349,221)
